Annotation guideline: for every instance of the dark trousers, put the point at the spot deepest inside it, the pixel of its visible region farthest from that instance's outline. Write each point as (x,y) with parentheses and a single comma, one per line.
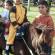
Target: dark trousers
(2,39)
(46,48)
(21,30)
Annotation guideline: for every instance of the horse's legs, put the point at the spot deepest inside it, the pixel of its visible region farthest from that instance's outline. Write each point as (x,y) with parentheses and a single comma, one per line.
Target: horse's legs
(0,50)
(20,48)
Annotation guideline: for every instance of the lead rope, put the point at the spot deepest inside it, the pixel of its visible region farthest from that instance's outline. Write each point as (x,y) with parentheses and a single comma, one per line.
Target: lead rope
(27,45)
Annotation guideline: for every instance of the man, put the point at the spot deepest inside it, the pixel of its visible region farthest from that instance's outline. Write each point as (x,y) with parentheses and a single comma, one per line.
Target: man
(17,18)
(5,15)
(46,21)
(4,22)
(34,1)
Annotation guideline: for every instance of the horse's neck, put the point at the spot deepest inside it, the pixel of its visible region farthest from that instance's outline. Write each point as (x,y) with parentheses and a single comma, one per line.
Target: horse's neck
(33,32)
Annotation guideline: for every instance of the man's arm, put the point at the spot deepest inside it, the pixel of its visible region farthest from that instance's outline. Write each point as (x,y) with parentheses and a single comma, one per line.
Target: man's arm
(13,17)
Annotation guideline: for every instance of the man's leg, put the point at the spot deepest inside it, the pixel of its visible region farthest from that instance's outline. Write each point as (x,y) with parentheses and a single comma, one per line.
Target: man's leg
(7,50)
(0,50)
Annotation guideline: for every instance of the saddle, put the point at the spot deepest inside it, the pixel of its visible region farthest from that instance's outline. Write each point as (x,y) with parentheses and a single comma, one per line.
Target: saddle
(22,30)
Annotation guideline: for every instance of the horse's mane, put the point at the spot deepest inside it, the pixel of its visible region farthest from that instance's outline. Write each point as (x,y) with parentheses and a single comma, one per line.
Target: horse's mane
(37,37)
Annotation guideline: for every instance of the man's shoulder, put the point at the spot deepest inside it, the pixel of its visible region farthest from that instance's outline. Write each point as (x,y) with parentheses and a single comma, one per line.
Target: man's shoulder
(24,7)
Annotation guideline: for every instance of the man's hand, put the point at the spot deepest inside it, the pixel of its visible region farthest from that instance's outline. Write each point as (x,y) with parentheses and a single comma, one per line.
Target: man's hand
(17,26)
(26,23)
(41,27)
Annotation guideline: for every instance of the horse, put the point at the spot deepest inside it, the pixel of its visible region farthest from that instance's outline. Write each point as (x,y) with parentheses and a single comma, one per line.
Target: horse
(2,42)
(2,39)
(20,47)
(40,39)
(33,42)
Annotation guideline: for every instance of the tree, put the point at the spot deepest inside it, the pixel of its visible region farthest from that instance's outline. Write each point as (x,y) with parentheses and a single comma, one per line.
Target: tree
(28,4)
(2,0)
(49,2)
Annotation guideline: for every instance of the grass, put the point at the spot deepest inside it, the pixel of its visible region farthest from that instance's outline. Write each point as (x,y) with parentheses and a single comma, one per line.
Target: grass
(1,10)
(34,12)
(52,9)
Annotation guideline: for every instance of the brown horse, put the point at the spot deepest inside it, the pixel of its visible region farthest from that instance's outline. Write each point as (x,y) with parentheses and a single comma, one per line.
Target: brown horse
(34,39)
(2,39)
(19,46)
(39,38)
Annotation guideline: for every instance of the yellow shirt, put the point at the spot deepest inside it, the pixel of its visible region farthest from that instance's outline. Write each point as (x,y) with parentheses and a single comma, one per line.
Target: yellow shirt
(16,16)
(19,15)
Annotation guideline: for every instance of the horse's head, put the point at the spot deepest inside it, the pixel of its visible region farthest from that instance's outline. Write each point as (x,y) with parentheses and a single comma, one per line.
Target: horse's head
(37,36)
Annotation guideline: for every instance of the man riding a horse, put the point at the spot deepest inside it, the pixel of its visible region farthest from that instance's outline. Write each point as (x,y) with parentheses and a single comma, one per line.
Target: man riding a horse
(18,19)
(45,26)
